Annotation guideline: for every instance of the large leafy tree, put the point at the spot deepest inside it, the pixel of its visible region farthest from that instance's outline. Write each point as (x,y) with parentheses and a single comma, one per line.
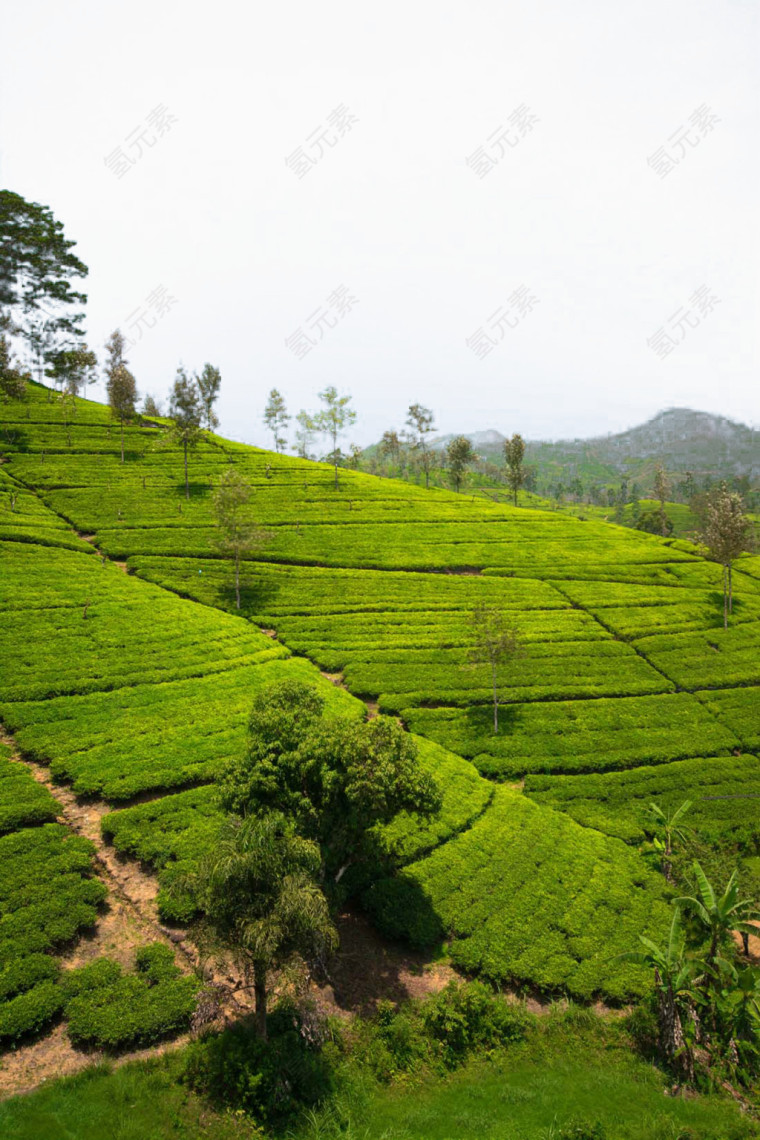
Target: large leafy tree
(335,778)
(37,268)
(260,901)
(276,418)
(333,419)
(186,413)
(237,534)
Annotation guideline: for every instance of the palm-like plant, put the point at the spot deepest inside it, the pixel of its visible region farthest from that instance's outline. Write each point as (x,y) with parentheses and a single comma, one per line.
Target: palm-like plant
(720,915)
(669,826)
(260,902)
(674,975)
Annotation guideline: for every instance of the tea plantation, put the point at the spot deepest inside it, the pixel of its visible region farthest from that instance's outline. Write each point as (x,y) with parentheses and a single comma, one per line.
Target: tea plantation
(129,671)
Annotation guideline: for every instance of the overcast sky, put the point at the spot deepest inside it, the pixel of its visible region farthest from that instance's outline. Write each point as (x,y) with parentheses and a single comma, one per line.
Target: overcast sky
(536,217)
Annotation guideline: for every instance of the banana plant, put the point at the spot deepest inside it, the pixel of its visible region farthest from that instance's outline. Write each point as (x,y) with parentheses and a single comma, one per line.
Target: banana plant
(720,915)
(675,976)
(669,826)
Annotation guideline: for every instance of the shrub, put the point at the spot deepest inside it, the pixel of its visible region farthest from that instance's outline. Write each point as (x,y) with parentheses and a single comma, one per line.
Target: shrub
(109,1010)
(29,1012)
(268,1079)
(464,1017)
(25,973)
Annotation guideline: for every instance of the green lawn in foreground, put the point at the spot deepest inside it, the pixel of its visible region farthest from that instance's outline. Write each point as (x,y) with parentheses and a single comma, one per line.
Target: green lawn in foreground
(563,1084)
(564,1077)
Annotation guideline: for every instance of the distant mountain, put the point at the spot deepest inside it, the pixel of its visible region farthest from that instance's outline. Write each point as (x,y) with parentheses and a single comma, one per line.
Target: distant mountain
(679,438)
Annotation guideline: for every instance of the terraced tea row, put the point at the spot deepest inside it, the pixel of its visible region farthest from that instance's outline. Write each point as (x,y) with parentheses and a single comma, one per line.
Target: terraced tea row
(724,794)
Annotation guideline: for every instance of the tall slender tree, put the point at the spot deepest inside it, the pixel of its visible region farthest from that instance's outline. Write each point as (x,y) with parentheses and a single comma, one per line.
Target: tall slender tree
(661,492)
(459,454)
(276,418)
(305,432)
(120,383)
(496,642)
(727,533)
(186,412)
(514,454)
(209,382)
(420,422)
(238,534)
(333,419)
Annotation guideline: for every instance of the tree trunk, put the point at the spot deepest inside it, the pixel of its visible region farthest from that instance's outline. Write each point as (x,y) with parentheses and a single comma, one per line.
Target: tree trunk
(187,485)
(237,578)
(515,490)
(122,440)
(673,1045)
(730,591)
(725,598)
(495,701)
(260,996)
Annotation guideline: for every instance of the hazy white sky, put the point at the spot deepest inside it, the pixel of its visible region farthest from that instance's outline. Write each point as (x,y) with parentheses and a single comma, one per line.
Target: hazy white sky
(391,251)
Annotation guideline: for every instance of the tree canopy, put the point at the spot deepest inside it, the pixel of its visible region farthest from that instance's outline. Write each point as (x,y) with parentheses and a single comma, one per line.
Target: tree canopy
(186,413)
(259,899)
(460,454)
(336,778)
(333,419)
(37,268)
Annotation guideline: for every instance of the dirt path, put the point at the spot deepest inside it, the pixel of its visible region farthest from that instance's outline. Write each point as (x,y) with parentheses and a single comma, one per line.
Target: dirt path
(128,919)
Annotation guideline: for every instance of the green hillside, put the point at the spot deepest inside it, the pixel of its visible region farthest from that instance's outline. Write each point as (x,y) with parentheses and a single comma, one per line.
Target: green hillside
(128,670)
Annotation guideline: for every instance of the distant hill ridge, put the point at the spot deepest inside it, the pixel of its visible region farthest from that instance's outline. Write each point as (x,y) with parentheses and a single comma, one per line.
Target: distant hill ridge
(681,438)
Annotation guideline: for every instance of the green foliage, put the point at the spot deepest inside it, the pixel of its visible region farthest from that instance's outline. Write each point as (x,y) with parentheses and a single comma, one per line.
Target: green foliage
(528,896)
(269,1080)
(459,456)
(29,1012)
(107,1009)
(37,267)
(577,736)
(725,791)
(258,896)
(23,801)
(335,778)
(466,1017)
